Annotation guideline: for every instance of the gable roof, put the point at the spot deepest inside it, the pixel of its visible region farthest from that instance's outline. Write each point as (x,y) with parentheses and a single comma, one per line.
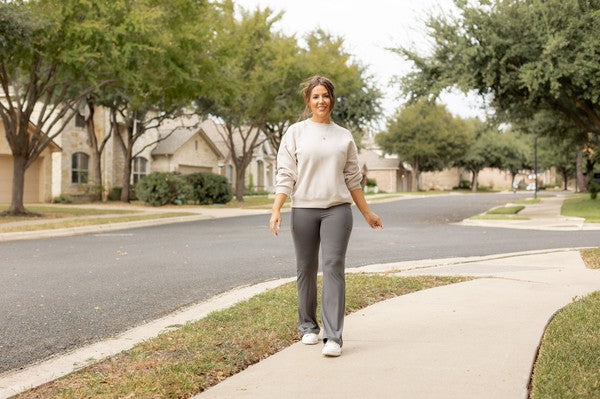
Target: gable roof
(179,137)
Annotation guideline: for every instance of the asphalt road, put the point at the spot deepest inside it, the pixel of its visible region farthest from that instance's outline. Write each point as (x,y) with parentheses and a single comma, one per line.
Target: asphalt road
(62,293)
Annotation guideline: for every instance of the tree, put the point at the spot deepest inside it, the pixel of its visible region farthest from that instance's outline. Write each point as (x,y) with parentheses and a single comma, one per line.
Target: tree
(560,153)
(555,130)
(47,47)
(161,61)
(525,56)
(481,153)
(427,136)
(358,99)
(246,53)
(514,152)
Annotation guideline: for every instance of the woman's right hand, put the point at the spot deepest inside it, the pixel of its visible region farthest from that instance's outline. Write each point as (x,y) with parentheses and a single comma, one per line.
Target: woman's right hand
(275,222)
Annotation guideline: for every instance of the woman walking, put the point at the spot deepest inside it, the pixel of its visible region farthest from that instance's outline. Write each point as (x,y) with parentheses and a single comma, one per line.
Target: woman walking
(317,166)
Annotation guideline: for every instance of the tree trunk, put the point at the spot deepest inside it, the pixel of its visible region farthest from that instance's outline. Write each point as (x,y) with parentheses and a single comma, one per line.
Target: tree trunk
(415,176)
(581,186)
(565,177)
(18,185)
(240,184)
(126,186)
(95,164)
(474,181)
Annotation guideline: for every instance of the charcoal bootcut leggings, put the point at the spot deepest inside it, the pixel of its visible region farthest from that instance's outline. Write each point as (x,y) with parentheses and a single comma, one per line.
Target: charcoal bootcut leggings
(330,228)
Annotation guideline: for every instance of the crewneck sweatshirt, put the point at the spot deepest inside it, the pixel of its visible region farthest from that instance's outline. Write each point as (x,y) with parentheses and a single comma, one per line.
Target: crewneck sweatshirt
(317,165)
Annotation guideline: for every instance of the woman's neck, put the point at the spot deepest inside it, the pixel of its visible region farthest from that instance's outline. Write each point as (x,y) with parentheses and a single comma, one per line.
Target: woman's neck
(324,119)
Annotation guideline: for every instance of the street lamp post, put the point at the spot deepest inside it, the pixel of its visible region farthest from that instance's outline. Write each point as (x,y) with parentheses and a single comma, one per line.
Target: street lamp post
(535,167)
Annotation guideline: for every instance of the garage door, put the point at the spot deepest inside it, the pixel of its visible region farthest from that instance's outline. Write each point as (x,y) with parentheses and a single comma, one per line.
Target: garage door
(32,181)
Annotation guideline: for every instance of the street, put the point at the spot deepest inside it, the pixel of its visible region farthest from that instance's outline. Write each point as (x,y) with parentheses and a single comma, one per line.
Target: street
(60,294)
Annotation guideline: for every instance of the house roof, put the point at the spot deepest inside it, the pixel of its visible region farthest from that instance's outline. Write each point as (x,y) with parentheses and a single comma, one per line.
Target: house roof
(214,132)
(179,137)
(374,160)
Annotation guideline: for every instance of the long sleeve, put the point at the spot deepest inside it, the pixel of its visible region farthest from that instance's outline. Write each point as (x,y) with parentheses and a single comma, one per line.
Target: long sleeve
(287,167)
(352,173)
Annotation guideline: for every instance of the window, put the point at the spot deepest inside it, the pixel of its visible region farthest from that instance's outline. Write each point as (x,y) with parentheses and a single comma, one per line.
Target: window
(79,120)
(229,173)
(139,168)
(79,168)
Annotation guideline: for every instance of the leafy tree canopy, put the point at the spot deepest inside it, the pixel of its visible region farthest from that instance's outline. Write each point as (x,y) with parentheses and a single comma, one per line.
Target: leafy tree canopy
(525,55)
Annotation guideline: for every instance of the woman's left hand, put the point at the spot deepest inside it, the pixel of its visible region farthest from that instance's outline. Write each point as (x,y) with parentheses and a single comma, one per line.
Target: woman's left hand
(373,220)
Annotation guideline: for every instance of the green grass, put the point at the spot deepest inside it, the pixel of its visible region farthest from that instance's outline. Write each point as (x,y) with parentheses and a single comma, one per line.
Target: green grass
(506,210)
(89,222)
(499,217)
(583,207)
(529,201)
(56,212)
(184,362)
(568,364)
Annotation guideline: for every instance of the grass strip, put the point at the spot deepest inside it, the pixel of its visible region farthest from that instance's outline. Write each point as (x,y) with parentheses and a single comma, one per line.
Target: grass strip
(90,222)
(499,217)
(529,201)
(55,212)
(568,363)
(583,207)
(506,210)
(591,257)
(184,362)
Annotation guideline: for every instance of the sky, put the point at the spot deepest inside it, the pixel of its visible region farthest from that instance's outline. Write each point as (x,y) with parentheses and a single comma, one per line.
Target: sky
(368,28)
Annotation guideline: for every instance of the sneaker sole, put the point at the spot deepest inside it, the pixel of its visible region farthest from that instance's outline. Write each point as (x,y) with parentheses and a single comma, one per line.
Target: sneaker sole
(331,354)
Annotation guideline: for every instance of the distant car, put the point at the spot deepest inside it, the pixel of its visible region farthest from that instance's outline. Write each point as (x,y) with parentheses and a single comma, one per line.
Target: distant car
(530,187)
(596,177)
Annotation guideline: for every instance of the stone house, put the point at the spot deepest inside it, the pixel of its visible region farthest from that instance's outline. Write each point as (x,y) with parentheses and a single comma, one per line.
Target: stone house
(260,174)
(389,172)
(190,146)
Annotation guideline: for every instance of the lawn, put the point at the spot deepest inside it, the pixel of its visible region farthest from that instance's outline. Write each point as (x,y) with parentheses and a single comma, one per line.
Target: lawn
(591,257)
(502,213)
(568,365)
(93,221)
(529,201)
(506,210)
(582,206)
(184,362)
(56,212)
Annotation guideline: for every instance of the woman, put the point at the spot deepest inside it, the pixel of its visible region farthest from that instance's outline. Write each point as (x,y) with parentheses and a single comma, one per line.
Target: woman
(317,165)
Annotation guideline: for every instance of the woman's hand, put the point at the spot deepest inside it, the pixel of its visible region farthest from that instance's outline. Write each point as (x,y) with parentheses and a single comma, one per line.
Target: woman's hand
(373,220)
(275,222)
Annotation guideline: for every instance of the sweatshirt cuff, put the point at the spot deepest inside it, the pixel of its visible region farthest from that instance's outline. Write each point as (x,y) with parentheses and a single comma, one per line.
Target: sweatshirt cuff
(354,187)
(283,190)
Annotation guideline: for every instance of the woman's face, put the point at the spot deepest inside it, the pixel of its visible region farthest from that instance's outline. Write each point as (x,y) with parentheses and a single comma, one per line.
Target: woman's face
(320,102)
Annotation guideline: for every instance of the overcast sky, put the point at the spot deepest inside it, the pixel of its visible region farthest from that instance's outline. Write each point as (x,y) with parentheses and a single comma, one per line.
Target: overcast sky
(369,27)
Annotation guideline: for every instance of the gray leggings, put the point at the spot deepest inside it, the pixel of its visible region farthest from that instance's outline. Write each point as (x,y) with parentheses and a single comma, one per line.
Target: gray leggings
(331,229)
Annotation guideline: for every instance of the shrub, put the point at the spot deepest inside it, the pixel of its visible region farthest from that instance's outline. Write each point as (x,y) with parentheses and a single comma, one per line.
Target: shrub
(209,188)
(160,188)
(115,194)
(594,189)
(371,182)
(62,199)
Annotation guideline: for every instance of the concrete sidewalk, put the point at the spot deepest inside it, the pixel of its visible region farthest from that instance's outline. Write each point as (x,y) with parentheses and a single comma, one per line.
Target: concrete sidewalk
(545,215)
(476,339)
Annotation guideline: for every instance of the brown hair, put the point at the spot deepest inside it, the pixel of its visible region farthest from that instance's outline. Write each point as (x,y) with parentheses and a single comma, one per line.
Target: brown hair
(310,84)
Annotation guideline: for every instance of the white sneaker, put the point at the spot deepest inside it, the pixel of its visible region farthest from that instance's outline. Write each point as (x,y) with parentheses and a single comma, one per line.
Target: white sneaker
(332,348)
(310,339)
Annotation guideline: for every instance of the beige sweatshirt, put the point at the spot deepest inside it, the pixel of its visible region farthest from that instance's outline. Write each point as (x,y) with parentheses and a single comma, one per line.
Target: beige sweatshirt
(317,165)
